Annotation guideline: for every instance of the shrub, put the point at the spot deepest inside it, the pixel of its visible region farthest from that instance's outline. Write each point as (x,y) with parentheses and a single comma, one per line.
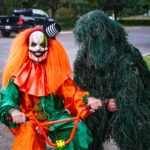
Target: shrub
(133,22)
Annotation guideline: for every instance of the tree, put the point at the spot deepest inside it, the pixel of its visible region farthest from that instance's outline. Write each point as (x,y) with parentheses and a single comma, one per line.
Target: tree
(145,5)
(81,6)
(116,5)
(53,5)
(7,6)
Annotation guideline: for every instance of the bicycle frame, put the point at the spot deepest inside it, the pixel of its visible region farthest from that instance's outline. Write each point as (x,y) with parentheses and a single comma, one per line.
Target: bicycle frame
(59,143)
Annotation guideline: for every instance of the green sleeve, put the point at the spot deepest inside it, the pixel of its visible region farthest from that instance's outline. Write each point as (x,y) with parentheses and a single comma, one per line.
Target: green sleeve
(9,99)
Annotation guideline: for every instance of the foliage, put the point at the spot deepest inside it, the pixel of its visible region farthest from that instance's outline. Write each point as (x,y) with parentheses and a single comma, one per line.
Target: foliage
(53,5)
(7,6)
(117,5)
(133,22)
(66,24)
(145,4)
(76,7)
(83,6)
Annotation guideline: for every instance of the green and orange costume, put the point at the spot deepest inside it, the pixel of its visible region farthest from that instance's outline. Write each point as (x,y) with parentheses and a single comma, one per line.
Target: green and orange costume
(44,91)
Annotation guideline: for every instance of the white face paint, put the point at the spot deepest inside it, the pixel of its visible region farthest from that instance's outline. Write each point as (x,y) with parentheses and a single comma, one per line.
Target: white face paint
(38,46)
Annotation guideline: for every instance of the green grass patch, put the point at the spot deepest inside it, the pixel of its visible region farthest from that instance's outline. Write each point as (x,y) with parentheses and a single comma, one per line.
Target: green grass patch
(147,59)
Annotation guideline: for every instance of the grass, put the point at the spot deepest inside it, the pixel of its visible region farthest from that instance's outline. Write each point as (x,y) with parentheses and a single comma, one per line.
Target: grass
(147,59)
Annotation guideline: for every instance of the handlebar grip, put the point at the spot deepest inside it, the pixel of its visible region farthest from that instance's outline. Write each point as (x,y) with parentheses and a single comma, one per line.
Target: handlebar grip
(10,119)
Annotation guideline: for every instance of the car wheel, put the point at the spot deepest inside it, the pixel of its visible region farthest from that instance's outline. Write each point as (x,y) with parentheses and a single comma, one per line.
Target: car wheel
(5,33)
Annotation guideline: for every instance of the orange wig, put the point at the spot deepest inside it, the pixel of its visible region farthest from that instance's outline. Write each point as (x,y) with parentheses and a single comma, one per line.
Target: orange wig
(57,63)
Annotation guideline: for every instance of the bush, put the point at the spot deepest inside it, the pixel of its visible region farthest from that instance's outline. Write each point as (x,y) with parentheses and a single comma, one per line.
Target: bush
(65,17)
(133,22)
(66,23)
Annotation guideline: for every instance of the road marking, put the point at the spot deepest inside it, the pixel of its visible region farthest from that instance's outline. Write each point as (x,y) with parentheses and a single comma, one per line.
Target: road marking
(66,32)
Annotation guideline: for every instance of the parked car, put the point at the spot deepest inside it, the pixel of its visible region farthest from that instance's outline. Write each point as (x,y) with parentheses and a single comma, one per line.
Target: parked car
(22,19)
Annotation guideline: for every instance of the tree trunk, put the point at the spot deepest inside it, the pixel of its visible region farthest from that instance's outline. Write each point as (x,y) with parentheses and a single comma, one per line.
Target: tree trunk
(115,14)
(53,13)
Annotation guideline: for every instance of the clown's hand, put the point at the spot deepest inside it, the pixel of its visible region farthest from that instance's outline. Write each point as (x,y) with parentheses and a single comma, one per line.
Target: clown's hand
(94,103)
(17,116)
(111,106)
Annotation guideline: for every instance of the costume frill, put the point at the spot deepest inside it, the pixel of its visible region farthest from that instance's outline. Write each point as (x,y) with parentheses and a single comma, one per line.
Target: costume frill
(108,66)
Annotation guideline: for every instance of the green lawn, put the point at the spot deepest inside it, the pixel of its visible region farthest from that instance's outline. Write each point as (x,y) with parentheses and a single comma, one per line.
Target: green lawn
(147,59)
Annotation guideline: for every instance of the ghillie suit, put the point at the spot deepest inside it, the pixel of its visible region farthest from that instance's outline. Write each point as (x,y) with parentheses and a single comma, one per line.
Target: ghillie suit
(109,67)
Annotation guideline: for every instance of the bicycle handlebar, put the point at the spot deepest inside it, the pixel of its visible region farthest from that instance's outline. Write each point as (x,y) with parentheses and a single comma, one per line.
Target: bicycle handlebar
(41,127)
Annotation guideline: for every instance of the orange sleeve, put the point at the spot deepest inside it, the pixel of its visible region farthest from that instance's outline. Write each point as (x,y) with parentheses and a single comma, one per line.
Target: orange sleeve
(73,97)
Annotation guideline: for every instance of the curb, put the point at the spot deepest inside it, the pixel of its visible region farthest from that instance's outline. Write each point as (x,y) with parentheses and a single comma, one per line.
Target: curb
(66,32)
(146,54)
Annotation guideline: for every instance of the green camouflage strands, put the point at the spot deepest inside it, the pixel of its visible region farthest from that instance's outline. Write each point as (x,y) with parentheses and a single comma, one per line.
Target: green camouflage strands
(110,67)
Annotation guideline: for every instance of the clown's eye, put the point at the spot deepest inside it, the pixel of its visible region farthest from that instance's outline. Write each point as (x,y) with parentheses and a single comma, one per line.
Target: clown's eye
(33,44)
(42,44)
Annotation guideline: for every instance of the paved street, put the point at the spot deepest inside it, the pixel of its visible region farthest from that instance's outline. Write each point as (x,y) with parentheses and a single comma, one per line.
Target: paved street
(137,36)
(140,38)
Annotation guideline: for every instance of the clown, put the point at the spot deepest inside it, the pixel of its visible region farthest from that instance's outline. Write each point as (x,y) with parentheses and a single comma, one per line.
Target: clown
(37,84)
(109,67)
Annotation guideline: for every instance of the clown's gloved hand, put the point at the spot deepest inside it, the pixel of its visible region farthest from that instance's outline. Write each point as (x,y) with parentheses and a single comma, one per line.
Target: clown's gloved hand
(17,116)
(94,103)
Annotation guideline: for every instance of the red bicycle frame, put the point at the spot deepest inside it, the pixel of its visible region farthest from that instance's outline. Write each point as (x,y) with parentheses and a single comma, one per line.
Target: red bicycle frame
(59,143)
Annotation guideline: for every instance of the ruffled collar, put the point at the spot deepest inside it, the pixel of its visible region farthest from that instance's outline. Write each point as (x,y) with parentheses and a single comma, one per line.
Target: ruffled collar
(32,79)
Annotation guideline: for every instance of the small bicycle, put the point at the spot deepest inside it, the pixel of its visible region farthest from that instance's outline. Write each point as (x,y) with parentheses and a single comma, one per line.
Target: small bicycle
(42,126)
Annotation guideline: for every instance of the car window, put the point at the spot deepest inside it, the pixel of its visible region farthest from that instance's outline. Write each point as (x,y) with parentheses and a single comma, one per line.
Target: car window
(39,13)
(24,13)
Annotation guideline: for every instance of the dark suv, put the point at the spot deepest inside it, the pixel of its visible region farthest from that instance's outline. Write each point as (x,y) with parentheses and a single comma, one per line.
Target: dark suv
(22,19)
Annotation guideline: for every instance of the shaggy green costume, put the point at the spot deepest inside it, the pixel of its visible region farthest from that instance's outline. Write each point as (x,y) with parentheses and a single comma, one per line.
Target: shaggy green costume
(109,67)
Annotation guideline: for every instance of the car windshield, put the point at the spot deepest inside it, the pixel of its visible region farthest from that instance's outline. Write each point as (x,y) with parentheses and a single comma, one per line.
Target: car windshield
(39,13)
(24,13)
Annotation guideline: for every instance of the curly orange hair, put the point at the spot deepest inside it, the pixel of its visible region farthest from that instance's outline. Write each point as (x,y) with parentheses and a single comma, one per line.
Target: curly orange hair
(57,63)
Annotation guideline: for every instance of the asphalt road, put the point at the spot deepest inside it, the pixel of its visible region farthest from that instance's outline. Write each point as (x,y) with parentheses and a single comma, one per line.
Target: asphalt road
(137,36)
(140,38)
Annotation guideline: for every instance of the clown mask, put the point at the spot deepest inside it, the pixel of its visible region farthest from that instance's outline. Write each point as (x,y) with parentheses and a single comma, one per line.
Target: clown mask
(38,46)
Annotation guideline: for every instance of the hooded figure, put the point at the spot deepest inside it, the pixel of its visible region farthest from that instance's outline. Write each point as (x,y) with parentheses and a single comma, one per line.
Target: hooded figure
(108,66)
(37,83)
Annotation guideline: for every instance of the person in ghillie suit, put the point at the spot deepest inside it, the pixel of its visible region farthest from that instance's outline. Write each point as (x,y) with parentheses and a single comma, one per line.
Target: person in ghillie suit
(108,66)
